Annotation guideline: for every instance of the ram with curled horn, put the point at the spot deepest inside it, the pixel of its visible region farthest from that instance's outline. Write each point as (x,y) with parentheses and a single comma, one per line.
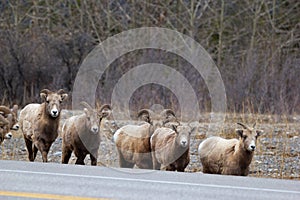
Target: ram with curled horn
(133,141)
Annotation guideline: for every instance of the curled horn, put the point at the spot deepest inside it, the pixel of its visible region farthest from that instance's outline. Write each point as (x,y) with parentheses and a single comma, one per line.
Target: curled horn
(104,113)
(46,91)
(3,121)
(167,112)
(5,110)
(243,125)
(61,91)
(145,112)
(86,105)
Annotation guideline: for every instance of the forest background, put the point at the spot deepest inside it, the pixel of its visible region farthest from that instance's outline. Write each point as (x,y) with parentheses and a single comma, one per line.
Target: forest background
(254,43)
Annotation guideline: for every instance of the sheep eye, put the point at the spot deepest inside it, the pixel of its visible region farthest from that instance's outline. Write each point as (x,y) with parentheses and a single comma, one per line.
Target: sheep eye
(47,101)
(244,137)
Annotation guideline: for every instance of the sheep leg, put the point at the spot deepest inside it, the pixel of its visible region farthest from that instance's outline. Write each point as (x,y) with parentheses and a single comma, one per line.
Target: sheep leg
(44,148)
(156,164)
(80,160)
(29,149)
(123,163)
(35,150)
(66,154)
(170,167)
(93,160)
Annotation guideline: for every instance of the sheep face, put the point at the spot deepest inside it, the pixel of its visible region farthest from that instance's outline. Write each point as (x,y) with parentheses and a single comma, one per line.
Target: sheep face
(183,134)
(248,136)
(92,121)
(11,116)
(53,101)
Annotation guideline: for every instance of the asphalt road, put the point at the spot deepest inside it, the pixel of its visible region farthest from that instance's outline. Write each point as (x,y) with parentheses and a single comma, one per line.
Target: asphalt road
(23,180)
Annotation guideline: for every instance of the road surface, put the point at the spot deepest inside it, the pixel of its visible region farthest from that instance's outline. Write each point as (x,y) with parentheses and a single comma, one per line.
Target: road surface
(23,180)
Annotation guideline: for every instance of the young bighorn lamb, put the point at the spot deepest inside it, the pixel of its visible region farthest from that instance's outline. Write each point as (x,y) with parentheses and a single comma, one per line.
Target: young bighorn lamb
(81,134)
(170,147)
(229,156)
(133,141)
(39,123)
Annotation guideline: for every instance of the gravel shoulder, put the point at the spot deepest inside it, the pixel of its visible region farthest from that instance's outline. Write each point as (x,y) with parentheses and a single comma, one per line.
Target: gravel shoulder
(277,155)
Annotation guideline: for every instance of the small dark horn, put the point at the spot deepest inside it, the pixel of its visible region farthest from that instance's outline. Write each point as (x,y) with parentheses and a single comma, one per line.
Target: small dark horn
(254,124)
(244,126)
(86,105)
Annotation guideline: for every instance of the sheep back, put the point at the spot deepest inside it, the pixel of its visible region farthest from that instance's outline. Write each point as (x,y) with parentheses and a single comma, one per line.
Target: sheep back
(216,156)
(167,152)
(133,144)
(32,124)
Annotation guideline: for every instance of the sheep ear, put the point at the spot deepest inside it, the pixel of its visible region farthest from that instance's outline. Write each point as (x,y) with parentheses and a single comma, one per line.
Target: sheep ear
(239,132)
(64,96)
(43,96)
(259,132)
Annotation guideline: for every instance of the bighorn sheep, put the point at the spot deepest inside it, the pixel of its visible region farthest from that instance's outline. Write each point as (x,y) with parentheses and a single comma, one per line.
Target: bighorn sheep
(9,117)
(170,147)
(81,134)
(4,127)
(229,156)
(39,123)
(133,141)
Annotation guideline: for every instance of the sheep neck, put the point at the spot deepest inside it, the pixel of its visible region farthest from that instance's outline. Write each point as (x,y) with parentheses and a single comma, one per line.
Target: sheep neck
(244,156)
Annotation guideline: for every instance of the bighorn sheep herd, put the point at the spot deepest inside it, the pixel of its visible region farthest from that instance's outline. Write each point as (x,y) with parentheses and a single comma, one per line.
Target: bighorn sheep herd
(159,141)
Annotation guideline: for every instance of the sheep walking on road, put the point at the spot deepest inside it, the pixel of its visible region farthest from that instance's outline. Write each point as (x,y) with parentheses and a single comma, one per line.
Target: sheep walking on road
(229,156)
(170,147)
(39,123)
(81,134)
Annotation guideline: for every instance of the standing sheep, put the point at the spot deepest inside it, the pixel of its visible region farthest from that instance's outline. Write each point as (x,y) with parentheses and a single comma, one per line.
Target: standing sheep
(4,128)
(133,141)
(81,134)
(39,123)
(170,147)
(11,115)
(229,156)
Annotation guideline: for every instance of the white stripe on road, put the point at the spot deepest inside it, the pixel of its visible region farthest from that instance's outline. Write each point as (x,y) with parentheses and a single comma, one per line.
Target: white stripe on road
(154,181)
